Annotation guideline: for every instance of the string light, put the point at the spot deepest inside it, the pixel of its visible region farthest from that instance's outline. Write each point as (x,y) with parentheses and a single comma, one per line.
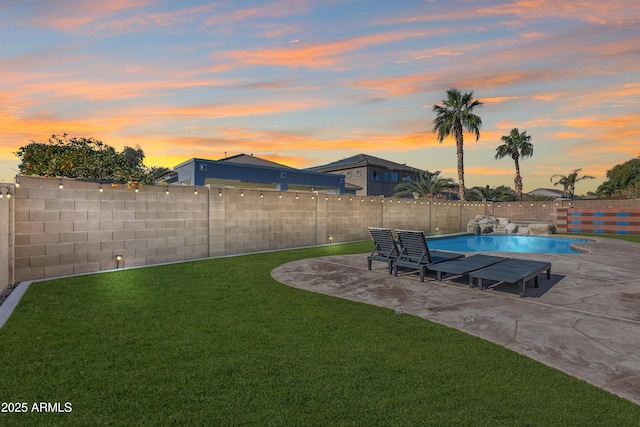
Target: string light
(60,186)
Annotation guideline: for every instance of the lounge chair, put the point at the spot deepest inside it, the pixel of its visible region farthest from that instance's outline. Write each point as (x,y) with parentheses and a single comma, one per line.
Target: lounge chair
(512,271)
(415,253)
(466,265)
(385,249)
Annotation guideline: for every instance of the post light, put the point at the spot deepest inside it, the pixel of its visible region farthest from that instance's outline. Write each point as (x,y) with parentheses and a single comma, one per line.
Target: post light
(118,259)
(330,239)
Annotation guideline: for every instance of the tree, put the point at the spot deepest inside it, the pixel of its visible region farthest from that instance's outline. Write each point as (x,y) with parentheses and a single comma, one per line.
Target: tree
(428,185)
(516,145)
(453,117)
(501,193)
(622,180)
(569,182)
(83,158)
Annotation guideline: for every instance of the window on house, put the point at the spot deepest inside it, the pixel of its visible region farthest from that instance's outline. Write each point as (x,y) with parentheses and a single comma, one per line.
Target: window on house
(348,175)
(395,177)
(358,172)
(375,175)
(202,168)
(385,176)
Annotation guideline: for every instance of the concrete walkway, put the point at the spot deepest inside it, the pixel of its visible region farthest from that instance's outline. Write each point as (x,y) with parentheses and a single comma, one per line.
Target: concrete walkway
(585,321)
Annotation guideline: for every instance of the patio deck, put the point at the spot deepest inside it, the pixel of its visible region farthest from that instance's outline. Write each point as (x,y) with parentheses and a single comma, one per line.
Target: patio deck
(585,321)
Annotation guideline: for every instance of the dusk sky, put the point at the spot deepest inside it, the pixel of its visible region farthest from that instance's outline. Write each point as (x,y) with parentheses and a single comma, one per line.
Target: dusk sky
(306,83)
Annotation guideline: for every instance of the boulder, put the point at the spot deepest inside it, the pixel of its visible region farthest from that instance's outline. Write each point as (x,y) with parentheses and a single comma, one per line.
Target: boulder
(511,228)
(486,228)
(503,222)
(523,231)
(473,227)
(541,229)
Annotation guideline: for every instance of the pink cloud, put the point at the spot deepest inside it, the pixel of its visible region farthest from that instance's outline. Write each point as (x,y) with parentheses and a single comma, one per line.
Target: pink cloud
(311,55)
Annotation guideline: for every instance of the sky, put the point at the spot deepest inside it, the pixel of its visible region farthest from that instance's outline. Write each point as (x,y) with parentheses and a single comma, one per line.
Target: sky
(305,83)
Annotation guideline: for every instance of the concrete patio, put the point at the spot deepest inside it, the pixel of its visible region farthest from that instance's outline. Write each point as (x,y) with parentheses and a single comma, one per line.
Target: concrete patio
(585,321)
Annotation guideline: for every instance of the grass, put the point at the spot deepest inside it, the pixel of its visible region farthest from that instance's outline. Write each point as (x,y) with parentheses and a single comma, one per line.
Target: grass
(625,237)
(219,342)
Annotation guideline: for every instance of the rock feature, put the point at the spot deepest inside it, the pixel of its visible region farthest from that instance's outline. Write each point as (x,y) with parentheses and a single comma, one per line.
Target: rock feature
(486,224)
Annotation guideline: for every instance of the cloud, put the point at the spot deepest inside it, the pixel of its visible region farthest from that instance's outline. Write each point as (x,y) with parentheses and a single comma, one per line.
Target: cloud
(316,55)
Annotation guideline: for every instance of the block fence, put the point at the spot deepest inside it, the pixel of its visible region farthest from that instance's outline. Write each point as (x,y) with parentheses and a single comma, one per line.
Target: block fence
(52,227)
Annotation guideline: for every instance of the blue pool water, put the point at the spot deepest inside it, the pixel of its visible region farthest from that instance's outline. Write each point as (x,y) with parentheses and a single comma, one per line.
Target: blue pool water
(547,245)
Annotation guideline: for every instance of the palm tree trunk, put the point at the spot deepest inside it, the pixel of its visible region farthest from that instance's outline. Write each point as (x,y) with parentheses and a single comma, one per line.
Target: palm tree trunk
(518,179)
(457,129)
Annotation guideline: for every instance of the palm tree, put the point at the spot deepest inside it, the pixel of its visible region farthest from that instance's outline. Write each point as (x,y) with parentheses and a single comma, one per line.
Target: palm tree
(569,182)
(453,116)
(517,145)
(483,193)
(428,184)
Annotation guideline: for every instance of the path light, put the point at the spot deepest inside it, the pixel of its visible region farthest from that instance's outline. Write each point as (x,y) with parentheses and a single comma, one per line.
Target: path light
(330,239)
(118,259)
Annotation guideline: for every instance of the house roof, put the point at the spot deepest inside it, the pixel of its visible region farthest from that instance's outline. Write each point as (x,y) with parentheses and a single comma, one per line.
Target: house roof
(360,160)
(546,192)
(251,160)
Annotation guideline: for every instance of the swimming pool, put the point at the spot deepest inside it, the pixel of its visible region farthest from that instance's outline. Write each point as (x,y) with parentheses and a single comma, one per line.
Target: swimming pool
(472,243)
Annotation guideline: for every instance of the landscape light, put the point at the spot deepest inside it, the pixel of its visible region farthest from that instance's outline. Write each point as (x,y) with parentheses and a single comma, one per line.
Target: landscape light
(118,259)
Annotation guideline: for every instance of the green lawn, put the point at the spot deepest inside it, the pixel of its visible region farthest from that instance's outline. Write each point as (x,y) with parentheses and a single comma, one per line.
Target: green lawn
(219,342)
(626,237)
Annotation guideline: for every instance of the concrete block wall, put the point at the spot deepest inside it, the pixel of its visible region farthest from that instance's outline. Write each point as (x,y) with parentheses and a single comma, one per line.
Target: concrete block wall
(347,218)
(6,256)
(79,229)
(46,231)
(257,220)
